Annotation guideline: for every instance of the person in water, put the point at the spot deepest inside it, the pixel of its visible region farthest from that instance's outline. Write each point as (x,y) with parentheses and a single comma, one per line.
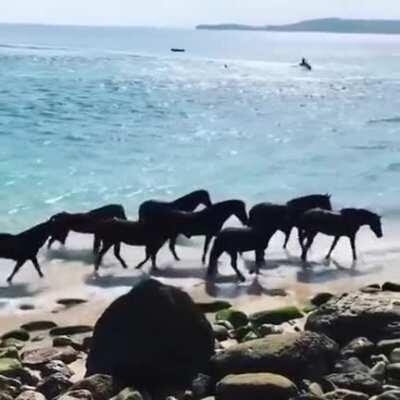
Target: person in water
(305,64)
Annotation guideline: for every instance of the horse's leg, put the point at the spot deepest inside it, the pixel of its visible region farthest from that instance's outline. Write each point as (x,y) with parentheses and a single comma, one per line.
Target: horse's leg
(353,246)
(234,256)
(100,255)
(140,265)
(260,258)
(96,245)
(37,266)
(172,244)
(18,265)
(153,254)
(117,250)
(287,236)
(335,242)
(50,242)
(310,239)
(206,244)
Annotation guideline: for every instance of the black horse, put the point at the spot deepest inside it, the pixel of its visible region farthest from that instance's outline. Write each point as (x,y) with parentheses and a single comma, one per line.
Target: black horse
(238,240)
(84,223)
(286,217)
(347,222)
(150,209)
(207,222)
(25,246)
(135,233)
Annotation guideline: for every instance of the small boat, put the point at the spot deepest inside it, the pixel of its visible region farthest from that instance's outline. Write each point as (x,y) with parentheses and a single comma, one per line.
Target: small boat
(175,50)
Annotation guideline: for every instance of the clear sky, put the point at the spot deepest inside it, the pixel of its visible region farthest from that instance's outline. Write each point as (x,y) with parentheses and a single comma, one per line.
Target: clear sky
(186,13)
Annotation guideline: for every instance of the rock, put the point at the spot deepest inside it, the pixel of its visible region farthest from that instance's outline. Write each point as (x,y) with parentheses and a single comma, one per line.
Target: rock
(70,330)
(213,307)
(235,317)
(359,347)
(9,352)
(10,367)
(277,316)
(379,357)
(295,355)
(371,315)
(128,394)
(241,332)
(269,329)
(154,333)
(29,377)
(250,336)
(388,345)
(378,371)
(391,287)
(10,387)
(63,341)
(393,371)
(19,334)
(26,307)
(38,357)
(321,298)
(389,395)
(76,395)
(100,386)
(388,388)
(395,355)
(202,386)
(54,367)
(225,324)
(71,302)
(355,381)
(38,326)
(259,386)
(351,364)
(54,385)
(316,390)
(343,394)
(11,342)
(220,332)
(30,395)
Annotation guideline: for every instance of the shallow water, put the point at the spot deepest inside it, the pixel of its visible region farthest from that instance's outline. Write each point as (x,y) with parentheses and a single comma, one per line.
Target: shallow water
(96,115)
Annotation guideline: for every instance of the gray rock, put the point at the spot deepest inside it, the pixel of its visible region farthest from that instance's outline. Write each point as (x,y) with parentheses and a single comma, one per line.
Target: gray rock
(19,334)
(30,395)
(76,395)
(378,371)
(54,385)
(295,355)
(388,345)
(128,394)
(258,386)
(393,371)
(38,357)
(56,366)
(343,394)
(355,381)
(63,341)
(389,395)
(38,326)
(379,357)
(351,364)
(359,347)
(100,386)
(395,355)
(269,329)
(372,315)
(10,387)
(202,386)
(321,298)
(220,332)
(12,342)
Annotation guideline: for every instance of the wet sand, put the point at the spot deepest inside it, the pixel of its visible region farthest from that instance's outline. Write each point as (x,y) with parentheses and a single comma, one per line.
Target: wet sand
(284,280)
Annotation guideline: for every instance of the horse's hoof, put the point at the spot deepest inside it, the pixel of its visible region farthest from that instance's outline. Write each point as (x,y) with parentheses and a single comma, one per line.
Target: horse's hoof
(242,279)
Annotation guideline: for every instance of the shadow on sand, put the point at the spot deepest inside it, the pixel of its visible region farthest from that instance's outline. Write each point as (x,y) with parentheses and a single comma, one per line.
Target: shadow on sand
(62,253)
(110,281)
(17,291)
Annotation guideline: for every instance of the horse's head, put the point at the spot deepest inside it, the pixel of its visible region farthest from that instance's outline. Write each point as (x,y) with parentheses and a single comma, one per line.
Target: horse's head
(376,225)
(59,227)
(204,198)
(240,211)
(326,202)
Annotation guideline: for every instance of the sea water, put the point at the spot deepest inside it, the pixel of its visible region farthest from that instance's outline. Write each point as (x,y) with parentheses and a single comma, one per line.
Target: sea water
(90,116)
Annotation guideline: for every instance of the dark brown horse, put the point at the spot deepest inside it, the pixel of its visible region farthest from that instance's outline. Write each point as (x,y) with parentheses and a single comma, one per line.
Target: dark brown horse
(347,222)
(84,223)
(112,233)
(25,246)
(207,222)
(238,240)
(285,217)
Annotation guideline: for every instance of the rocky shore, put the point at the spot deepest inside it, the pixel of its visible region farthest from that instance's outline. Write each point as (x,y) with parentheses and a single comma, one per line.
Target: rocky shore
(156,343)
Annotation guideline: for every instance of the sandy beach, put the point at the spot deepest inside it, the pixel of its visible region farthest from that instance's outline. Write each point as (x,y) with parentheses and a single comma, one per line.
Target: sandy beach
(283,281)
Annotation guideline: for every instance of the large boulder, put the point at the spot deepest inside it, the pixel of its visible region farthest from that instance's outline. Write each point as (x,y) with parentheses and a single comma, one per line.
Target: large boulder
(373,315)
(355,381)
(295,355)
(258,386)
(155,333)
(100,386)
(38,357)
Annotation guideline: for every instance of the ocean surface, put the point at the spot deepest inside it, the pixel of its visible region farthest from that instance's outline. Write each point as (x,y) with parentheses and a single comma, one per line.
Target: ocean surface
(90,116)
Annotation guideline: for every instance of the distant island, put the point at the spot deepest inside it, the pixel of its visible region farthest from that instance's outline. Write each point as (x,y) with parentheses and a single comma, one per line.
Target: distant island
(334,25)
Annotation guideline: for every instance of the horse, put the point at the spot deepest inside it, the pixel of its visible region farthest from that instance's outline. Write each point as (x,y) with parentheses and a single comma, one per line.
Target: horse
(84,223)
(207,222)
(113,232)
(285,217)
(150,208)
(346,222)
(238,240)
(25,246)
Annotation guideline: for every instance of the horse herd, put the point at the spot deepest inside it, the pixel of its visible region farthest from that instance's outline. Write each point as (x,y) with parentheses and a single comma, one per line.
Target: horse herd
(161,221)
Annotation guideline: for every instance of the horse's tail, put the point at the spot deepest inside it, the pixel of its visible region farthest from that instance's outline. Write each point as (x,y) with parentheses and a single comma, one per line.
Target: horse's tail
(216,252)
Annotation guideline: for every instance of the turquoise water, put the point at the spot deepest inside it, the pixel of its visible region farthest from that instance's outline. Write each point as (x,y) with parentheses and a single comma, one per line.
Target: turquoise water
(97,115)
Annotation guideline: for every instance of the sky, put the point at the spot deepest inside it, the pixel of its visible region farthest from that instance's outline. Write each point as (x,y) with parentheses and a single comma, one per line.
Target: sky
(188,13)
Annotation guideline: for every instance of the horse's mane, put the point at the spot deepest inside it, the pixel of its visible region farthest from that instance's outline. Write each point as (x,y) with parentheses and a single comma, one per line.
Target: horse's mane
(35,229)
(360,212)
